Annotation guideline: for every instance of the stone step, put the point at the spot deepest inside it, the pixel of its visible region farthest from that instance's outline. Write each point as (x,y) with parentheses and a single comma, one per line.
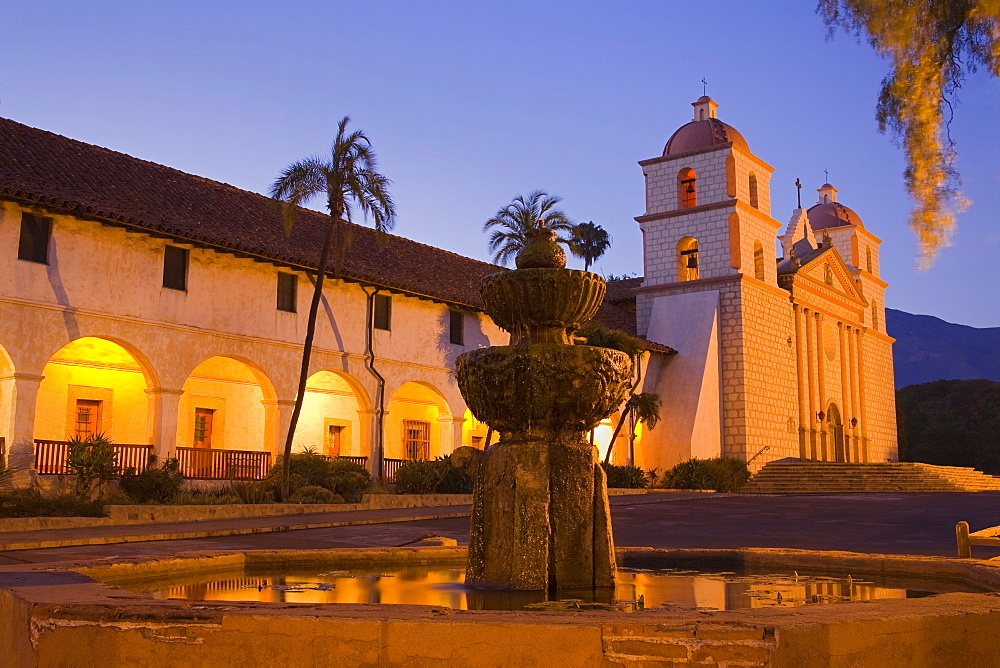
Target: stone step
(846,477)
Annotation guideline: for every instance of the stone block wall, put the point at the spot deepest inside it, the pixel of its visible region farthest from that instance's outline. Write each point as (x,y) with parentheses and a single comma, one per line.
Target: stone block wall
(770,410)
(880,398)
(662,193)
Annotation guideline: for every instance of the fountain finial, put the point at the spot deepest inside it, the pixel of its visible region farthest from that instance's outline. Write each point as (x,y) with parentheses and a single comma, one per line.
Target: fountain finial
(541,250)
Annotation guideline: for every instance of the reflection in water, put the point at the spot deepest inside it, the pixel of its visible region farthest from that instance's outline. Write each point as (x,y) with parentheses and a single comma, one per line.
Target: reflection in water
(671,589)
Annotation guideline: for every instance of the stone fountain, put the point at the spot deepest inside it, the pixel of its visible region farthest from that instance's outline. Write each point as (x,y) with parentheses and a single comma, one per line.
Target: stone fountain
(540,515)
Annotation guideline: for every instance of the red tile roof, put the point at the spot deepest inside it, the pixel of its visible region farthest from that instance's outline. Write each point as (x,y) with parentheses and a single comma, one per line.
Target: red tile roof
(68,176)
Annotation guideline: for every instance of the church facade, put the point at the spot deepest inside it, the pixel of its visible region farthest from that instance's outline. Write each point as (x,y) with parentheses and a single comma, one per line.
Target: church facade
(168,311)
(778,356)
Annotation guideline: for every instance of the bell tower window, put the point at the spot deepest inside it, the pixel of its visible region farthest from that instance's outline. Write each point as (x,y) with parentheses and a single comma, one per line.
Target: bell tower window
(758,260)
(687,189)
(687,260)
(753,191)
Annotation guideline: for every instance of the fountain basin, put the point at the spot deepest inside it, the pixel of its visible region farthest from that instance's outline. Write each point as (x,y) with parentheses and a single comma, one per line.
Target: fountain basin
(543,305)
(543,386)
(65,616)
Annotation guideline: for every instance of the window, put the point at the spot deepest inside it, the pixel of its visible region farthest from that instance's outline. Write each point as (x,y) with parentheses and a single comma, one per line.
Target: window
(457,327)
(868,258)
(88,417)
(203,418)
(875,315)
(687,191)
(417,439)
(753,191)
(383,312)
(687,259)
(758,261)
(33,245)
(287,284)
(175,264)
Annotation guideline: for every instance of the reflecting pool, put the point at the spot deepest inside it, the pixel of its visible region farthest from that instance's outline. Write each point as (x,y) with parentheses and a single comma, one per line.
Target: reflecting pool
(673,589)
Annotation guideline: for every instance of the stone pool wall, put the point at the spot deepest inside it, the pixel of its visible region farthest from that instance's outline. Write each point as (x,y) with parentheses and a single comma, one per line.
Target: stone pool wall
(63,617)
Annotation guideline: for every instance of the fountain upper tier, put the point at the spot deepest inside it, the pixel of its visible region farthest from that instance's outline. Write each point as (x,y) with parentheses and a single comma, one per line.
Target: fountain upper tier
(542,301)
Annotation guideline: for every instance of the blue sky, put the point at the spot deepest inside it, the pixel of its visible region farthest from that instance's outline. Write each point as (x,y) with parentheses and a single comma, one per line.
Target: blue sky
(471,103)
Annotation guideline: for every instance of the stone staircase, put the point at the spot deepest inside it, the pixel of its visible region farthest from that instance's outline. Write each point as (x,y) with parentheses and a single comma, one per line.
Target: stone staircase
(808,477)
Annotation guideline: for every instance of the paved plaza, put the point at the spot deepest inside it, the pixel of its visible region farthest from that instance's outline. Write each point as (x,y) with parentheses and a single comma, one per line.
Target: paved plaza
(877,523)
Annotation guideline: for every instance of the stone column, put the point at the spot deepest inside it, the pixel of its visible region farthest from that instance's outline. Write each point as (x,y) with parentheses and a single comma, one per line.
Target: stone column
(855,412)
(450,430)
(845,397)
(17,422)
(861,398)
(801,381)
(277,419)
(161,420)
(372,447)
(821,389)
(811,382)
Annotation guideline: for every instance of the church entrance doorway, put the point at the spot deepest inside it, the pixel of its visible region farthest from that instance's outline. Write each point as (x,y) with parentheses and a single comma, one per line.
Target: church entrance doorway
(837,433)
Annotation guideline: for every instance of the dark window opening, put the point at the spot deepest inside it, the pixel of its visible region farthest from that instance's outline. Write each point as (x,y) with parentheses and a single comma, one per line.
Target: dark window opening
(33,245)
(753,191)
(175,264)
(383,312)
(457,328)
(287,285)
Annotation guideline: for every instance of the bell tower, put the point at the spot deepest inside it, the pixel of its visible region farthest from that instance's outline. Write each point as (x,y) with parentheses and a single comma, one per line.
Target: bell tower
(709,257)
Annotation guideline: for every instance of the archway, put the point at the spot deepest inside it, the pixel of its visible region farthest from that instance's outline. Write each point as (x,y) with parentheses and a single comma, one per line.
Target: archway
(222,406)
(331,423)
(474,432)
(687,259)
(836,433)
(413,426)
(94,385)
(6,409)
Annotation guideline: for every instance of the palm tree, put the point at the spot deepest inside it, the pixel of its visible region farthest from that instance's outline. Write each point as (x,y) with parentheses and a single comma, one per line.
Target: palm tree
(645,406)
(349,181)
(590,242)
(511,223)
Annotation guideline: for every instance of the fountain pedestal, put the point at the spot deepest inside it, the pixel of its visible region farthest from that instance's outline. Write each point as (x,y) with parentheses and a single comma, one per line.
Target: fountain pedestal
(540,516)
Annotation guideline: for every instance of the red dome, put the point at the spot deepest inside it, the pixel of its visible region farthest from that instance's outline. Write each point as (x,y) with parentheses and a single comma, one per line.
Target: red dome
(832,214)
(703,134)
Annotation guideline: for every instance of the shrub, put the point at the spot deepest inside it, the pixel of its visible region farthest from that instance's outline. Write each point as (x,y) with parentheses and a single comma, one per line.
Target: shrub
(157,484)
(628,477)
(30,502)
(197,497)
(250,492)
(92,461)
(309,469)
(722,474)
(315,494)
(437,476)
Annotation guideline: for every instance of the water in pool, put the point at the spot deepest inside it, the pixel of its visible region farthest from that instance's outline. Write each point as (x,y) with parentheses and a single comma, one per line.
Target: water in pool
(662,588)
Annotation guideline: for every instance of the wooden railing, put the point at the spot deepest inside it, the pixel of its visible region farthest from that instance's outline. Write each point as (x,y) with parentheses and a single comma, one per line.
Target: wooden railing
(360,461)
(389,468)
(208,464)
(51,456)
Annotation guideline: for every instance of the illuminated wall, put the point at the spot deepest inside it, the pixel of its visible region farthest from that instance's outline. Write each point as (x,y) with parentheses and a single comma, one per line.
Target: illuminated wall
(92,369)
(229,388)
(413,401)
(329,401)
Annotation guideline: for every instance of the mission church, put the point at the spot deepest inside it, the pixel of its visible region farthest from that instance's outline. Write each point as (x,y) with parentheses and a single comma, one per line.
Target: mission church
(168,311)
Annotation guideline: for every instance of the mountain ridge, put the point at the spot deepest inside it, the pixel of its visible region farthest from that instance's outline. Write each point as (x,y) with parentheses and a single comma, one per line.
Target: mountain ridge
(928,348)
